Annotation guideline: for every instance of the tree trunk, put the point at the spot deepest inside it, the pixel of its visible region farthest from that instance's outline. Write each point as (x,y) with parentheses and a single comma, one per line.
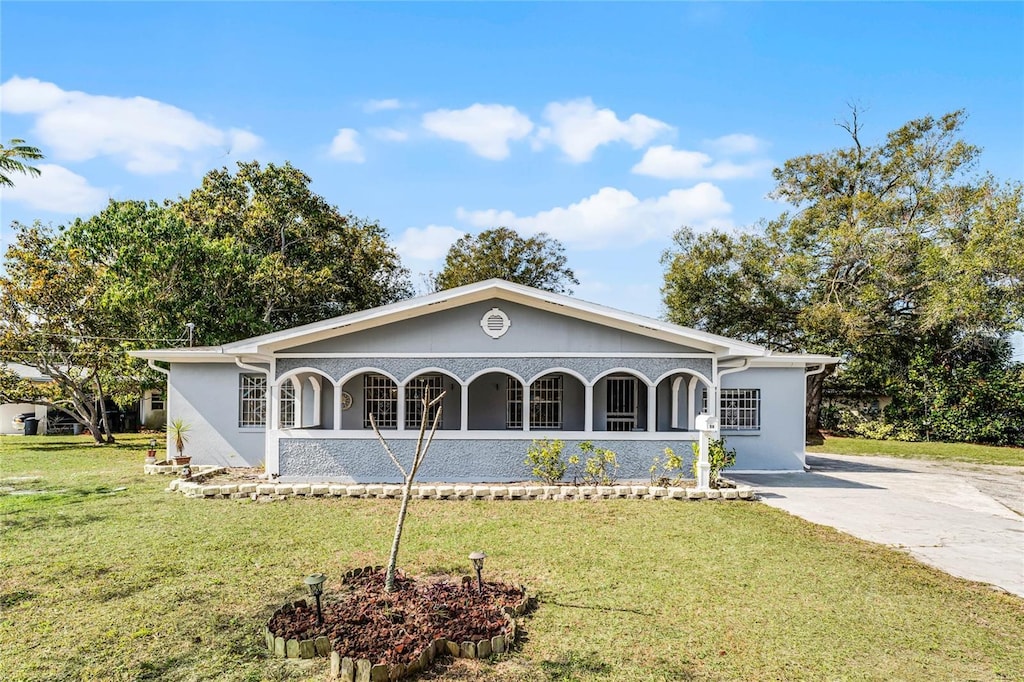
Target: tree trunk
(815,392)
(389,579)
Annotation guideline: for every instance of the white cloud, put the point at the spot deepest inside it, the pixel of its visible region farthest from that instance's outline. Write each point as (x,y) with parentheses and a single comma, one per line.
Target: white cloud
(375,105)
(390,134)
(56,189)
(147,136)
(486,128)
(345,146)
(737,143)
(577,127)
(616,216)
(428,243)
(667,162)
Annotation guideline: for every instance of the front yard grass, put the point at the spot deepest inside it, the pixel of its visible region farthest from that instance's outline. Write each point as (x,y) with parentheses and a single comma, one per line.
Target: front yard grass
(99,582)
(953,452)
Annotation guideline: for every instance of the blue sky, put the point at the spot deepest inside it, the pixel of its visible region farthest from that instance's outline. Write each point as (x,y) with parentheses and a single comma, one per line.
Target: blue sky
(606,125)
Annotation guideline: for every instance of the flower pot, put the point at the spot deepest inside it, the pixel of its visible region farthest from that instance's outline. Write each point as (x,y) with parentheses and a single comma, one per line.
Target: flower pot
(182,460)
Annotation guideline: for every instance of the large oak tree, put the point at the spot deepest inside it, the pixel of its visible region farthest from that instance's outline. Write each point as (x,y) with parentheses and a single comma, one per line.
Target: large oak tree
(886,248)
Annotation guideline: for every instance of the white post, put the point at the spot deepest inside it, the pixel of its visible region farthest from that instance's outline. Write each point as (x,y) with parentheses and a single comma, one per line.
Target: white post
(526,407)
(400,416)
(652,408)
(336,412)
(707,424)
(588,406)
(464,409)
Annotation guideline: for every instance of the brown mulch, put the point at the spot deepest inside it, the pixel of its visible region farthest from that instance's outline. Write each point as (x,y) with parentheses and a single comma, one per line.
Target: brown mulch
(364,621)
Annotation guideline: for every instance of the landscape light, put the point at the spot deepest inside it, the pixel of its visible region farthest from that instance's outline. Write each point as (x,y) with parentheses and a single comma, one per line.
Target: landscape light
(478,563)
(315,583)
(152,443)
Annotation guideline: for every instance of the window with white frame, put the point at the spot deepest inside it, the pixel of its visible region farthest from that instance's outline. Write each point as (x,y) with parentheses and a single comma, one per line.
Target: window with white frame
(546,402)
(429,386)
(252,400)
(740,409)
(287,405)
(514,404)
(156,400)
(380,398)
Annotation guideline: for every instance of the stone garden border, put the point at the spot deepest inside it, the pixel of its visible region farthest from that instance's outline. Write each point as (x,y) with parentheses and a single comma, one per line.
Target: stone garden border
(362,670)
(278,491)
(200,472)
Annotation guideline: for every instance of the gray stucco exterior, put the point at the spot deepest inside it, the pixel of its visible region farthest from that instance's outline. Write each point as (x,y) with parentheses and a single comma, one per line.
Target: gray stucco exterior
(452,461)
(458,331)
(328,442)
(205,396)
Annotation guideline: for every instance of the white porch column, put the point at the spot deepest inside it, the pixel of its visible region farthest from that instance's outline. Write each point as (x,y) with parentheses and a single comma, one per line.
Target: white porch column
(652,408)
(526,407)
(675,402)
(691,402)
(464,406)
(588,407)
(400,416)
(338,390)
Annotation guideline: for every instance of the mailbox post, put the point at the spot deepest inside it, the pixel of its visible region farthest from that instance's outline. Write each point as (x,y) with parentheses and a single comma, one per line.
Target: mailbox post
(707,424)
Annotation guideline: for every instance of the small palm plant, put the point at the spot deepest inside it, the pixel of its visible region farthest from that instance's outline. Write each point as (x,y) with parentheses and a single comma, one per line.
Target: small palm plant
(179,431)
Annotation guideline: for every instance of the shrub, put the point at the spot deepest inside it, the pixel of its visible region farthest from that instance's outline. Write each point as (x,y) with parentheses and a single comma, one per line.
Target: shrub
(600,466)
(545,458)
(671,473)
(718,456)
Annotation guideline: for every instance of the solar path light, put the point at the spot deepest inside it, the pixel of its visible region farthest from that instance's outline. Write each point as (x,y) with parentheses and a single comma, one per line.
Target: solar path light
(478,563)
(315,583)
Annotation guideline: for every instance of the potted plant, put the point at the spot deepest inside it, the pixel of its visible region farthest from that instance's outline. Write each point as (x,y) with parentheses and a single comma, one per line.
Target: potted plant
(179,431)
(151,452)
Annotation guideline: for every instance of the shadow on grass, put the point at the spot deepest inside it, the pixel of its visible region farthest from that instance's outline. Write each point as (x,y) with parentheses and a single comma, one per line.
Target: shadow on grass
(603,609)
(575,666)
(9,599)
(60,446)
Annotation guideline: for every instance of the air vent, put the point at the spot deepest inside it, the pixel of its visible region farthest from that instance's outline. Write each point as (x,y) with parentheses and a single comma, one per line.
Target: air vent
(495,323)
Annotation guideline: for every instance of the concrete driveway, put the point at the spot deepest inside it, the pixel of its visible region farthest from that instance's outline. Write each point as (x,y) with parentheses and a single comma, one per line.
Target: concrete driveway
(965,519)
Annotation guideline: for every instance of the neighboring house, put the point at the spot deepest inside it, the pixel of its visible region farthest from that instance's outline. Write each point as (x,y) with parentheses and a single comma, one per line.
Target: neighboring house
(515,363)
(8,411)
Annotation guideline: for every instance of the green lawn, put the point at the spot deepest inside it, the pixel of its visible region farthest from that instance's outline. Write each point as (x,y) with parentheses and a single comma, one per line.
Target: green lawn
(957,452)
(98,583)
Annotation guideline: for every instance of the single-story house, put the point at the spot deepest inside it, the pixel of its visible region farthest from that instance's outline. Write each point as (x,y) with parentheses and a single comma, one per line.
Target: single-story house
(515,364)
(8,411)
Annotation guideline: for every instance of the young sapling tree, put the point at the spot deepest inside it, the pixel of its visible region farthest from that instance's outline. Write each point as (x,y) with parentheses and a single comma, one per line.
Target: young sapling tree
(409,475)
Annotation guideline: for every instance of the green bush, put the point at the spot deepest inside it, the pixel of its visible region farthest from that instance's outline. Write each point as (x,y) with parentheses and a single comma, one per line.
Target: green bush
(669,472)
(718,456)
(545,458)
(600,466)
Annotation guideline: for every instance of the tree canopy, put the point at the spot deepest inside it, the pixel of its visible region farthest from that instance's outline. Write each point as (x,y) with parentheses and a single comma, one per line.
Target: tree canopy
(244,254)
(886,249)
(537,261)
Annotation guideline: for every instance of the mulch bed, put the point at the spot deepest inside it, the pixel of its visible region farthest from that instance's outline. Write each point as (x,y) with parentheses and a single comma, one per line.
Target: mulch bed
(364,621)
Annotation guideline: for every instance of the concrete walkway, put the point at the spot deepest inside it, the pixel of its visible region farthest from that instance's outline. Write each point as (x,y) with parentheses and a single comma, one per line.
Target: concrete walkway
(964,519)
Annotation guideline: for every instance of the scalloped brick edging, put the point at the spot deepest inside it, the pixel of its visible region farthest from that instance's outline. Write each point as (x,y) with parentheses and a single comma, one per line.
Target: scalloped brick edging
(198,471)
(348,669)
(279,491)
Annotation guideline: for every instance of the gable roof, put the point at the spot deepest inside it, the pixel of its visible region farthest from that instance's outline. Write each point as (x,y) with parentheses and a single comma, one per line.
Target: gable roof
(452,298)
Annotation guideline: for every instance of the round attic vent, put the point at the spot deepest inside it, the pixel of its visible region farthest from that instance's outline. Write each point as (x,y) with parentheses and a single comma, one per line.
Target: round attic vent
(495,323)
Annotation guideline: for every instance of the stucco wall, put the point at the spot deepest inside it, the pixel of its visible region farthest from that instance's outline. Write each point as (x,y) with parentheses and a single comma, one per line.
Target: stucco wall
(205,396)
(458,331)
(452,461)
(464,368)
(779,444)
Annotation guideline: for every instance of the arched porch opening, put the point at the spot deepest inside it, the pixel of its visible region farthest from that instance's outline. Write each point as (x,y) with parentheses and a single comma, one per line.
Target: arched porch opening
(369,392)
(495,401)
(557,402)
(305,401)
(620,402)
(431,383)
(680,398)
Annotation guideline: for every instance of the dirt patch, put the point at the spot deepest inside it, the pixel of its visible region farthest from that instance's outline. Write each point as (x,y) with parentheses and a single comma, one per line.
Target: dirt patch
(365,622)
